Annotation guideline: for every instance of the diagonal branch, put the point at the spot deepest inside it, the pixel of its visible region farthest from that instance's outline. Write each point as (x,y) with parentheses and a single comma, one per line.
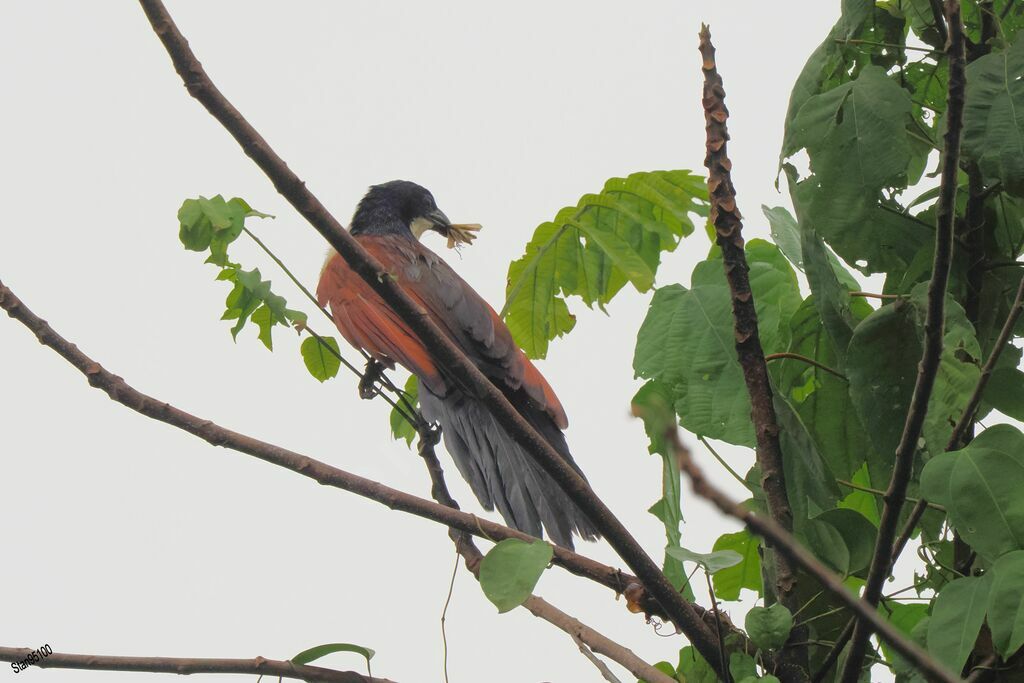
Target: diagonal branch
(934,325)
(729,236)
(786,544)
(189,665)
(462,525)
(445,352)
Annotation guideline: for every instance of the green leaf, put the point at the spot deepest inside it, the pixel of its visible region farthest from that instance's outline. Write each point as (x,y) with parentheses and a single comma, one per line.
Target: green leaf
(857,141)
(744,574)
(1006,603)
(511,569)
(882,368)
(857,533)
(742,666)
(821,399)
(785,233)
(315,653)
(1005,392)
(821,72)
(904,617)
(980,487)
(320,362)
(769,627)
(711,562)
(957,615)
(593,249)
(993,134)
(400,427)
(263,318)
(694,668)
(653,404)
(809,483)
(687,341)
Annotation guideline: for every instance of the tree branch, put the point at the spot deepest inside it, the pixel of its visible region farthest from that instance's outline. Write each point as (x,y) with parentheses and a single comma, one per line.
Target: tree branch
(786,544)
(189,665)
(934,325)
(442,348)
(810,361)
(729,236)
(462,526)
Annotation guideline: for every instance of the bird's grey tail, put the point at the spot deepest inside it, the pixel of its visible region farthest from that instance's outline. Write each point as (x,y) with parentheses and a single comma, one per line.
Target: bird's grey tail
(502,474)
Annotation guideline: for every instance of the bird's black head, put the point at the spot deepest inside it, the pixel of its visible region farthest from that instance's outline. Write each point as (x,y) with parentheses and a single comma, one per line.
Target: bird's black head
(398,207)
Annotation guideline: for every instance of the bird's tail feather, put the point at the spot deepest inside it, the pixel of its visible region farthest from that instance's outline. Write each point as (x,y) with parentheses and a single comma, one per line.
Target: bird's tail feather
(501,474)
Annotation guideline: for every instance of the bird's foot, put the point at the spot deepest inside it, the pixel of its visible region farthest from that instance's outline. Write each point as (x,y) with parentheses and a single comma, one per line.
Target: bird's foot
(368,382)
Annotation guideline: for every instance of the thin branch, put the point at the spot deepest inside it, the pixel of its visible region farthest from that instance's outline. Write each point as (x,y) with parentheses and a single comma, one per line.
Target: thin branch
(444,616)
(189,665)
(606,673)
(729,236)
(934,325)
(443,349)
(718,633)
(461,525)
(785,543)
(805,359)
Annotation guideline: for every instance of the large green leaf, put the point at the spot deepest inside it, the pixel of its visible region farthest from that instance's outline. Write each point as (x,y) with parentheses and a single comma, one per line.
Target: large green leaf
(993,133)
(1006,603)
(957,615)
(687,341)
(857,142)
(593,249)
(820,398)
(980,486)
(745,574)
(882,369)
(511,569)
(825,67)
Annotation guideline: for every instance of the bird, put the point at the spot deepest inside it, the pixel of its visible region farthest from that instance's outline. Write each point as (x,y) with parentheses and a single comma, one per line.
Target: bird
(389,223)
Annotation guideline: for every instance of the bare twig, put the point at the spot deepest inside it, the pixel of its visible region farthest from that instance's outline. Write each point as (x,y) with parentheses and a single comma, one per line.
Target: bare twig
(785,543)
(189,665)
(729,236)
(443,349)
(934,325)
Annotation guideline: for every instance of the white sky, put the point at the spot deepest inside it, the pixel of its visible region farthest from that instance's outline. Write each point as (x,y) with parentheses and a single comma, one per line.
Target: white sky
(125,536)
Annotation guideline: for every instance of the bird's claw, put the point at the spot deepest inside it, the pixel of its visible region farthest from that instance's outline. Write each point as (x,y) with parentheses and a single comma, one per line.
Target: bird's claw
(368,382)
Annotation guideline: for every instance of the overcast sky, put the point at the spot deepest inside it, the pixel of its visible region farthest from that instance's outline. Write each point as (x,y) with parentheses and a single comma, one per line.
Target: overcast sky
(126,536)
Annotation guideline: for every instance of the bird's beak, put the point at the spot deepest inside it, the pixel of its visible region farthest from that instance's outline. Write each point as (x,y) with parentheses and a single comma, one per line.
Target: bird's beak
(439,221)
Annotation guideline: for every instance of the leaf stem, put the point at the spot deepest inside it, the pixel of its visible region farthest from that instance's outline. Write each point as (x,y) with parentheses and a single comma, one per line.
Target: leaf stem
(879,492)
(805,359)
(723,463)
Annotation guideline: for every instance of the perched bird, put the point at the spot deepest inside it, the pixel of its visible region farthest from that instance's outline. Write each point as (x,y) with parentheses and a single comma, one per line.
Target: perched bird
(387,223)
